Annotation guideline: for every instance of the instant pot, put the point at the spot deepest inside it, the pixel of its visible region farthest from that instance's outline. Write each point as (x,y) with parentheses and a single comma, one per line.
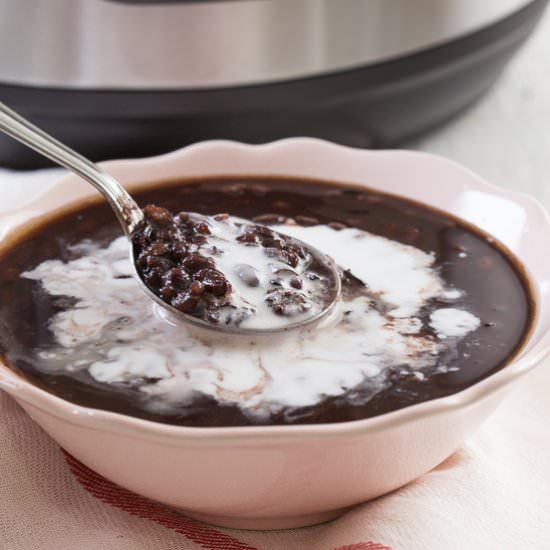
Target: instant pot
(123,78)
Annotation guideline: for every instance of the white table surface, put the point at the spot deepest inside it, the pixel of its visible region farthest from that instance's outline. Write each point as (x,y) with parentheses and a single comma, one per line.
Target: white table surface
(505,137)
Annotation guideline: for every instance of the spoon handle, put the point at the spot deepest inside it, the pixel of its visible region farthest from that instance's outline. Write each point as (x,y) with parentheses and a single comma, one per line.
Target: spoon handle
(19,128)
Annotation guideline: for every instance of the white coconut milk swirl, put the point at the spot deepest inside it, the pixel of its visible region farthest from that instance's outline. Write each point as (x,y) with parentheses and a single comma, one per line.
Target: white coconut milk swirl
(116,333)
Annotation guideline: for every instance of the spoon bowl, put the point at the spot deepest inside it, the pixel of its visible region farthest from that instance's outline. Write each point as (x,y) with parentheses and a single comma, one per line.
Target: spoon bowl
(175,315)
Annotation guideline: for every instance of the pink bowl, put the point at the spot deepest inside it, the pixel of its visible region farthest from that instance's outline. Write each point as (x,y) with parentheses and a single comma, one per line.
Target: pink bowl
(288,476)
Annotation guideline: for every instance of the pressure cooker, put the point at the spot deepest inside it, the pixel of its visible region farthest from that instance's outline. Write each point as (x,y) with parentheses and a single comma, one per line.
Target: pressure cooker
(130,78)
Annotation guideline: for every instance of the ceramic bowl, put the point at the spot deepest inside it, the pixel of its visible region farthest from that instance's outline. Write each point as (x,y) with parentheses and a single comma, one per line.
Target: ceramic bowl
(289,476)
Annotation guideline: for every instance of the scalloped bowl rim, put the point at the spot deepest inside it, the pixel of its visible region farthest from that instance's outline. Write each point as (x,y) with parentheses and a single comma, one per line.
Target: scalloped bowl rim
(175,435)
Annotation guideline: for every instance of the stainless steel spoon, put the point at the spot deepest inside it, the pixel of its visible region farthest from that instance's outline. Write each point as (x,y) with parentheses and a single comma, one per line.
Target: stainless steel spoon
(131,217)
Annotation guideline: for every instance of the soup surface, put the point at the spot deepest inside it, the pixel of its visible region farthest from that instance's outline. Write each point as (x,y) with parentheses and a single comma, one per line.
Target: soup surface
(429,307)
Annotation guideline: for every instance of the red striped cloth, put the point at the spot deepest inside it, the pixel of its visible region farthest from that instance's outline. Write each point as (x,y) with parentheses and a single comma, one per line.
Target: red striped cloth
(207,537)
(491,495)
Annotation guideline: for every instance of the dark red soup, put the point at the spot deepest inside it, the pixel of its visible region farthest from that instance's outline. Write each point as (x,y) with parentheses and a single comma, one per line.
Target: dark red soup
(430,306)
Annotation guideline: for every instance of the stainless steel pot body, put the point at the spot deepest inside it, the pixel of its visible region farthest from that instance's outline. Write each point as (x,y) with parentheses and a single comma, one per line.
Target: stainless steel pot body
(137,44)
(126,78)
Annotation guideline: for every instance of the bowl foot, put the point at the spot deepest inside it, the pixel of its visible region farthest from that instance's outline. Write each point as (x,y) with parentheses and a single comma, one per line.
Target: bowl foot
(267,523)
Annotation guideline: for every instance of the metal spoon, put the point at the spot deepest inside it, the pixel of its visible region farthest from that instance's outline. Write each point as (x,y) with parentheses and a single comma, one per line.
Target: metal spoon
(131,217)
